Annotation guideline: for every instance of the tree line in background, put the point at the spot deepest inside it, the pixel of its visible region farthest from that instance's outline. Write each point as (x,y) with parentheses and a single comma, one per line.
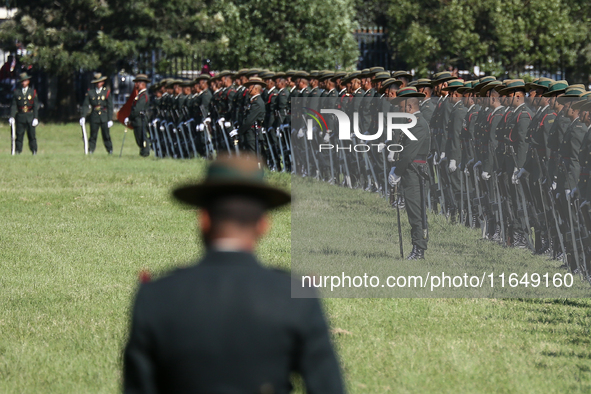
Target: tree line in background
(498,36)
(425,35)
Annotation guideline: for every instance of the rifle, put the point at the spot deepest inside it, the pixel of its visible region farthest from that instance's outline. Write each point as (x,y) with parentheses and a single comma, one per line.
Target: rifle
(84,138)
(399,225)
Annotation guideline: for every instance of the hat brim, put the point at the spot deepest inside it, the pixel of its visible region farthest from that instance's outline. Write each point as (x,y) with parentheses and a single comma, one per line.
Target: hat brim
(142,80)
(27,78)
(555,92)
(448,88)
(101,79)
(250,83)
(438,81)
(398,99)
(200,195)
(580,104)
(511,89)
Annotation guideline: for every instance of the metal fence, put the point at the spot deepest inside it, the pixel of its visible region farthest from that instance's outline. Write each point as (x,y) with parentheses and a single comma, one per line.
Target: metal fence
(373,48)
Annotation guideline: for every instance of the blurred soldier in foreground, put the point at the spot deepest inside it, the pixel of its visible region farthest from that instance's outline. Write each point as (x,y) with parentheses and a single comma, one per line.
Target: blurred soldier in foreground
(227,324)
(24,114)
(101,114)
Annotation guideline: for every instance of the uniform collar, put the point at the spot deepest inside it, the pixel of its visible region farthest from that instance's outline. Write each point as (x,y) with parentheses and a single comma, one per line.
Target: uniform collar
(358,89)
(342,90)
(141,91)
(270,90)
(255,96)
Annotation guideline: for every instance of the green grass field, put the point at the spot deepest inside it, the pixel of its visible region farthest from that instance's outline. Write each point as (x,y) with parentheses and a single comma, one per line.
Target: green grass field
(77,230)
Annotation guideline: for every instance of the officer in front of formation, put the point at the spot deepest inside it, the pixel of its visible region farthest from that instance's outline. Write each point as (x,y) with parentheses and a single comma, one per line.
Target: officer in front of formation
(254,115)
(138,116)
(100,101)
(228,324)
(24,112)
(410,169)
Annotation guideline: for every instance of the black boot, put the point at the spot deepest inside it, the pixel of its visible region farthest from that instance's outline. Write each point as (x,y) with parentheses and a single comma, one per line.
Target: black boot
(416,254)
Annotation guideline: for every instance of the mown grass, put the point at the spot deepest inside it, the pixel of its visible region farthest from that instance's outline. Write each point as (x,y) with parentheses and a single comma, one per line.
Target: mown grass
(77,230)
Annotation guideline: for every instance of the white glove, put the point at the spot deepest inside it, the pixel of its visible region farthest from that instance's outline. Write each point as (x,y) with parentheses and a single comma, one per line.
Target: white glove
(554,185)
(234,133)
(82,121)
(301,133)
(567,193)
(466,171)
(381,147)
(222,119)
(441,157)
(573,193)
(326,137)
(207,120)
(126,122)
(34,123)
(201,127)
(393,179)
(435,158)
(391,156)
(514,178)
(110,124)
(10,121)
(520,172)
(452,165)
(478,163)
(263,131)
(162,128)
(485,175)
(227,125)
(154,123)
(278,133)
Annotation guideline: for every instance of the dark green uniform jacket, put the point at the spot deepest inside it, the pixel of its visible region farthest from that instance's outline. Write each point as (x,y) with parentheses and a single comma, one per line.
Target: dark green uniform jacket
(227,325)
(99,104)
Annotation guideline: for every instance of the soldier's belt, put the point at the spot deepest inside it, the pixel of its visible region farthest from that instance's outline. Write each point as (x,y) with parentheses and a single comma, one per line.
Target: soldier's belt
(99,108)
(25,109)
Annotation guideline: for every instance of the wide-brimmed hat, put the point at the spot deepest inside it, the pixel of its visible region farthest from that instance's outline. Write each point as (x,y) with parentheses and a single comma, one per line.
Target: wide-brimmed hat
(200,77)
(382,76)
(389,82)
(267,75)
(515,84)
(301,74)
(488,86)
(585,98)
(441,77)
(407,92)
(467,88)
(542,83)
(232,176)
(98,77)
(24,77)
(423,83)
(556,88)
(483,81)
(142,78)
(398,74)
(279,75)
(454,84)
(255,81)
(224,73)
(351,76)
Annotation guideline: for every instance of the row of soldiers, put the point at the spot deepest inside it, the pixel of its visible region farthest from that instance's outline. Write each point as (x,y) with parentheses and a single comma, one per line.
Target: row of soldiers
(508,157)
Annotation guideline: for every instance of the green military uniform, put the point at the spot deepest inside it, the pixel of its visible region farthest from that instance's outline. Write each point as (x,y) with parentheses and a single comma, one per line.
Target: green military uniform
(410,164)
(100,104)
(24,112)
(138,117)
(254,114)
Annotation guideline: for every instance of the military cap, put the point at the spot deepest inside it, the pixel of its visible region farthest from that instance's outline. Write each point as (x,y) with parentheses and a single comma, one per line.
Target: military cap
(571,94)
(267,74)
(351,76)
(255,81)
(232,176)
(585,104)
(398,74)
(337,75)
(186,83)
(578,86)
(454,84)
(423,83)
(301,74)
(142,78)
(528,85)
(375,70)
(382,75)
(466,88)
(241,72)
(224,73)
(315,74)
(441,77)
(483,81)
(24,77)
(413,83)
(488,86)
(203,76)
(542,82)
(513,85)
(278,75)
(389,82)
(98,77)
(326,75)
(585,99)
(365,72)
(290,73)
(252,72)
(556,88)
(407,92)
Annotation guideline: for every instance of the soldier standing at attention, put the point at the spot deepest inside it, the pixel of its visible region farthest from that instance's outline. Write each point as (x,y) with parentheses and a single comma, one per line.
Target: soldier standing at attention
(100,102)
(137,117)
(254,113)
(24,111)
(411,167)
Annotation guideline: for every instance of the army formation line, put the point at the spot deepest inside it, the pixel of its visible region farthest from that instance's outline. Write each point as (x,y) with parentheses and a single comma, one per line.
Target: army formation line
(508,157)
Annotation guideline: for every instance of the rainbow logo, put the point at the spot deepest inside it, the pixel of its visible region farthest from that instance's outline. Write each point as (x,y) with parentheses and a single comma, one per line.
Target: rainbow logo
(317,117)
